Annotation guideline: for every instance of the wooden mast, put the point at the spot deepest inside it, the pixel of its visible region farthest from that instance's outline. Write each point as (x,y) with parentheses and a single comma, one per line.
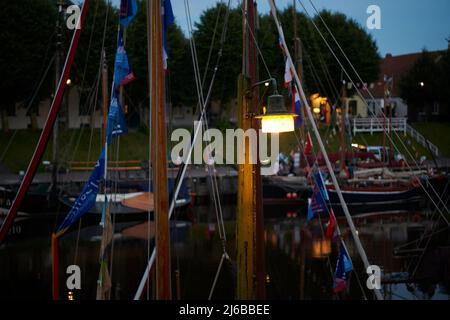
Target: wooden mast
(250,217)
(298,52)
(245,233)
(344,111)
(104,94)
(57,78)
(48,127)
(260,244)
(159,158)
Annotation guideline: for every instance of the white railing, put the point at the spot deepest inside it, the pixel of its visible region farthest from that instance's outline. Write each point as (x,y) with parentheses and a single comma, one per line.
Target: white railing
(422,140)
(373,125)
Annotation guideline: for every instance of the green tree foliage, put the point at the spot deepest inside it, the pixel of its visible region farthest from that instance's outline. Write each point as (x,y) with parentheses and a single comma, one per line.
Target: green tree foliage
(231,64)
(26,48)
(427,82)
(425,71)
(180,79)
(321,71)
(85,72)
(357,44)
(444,84)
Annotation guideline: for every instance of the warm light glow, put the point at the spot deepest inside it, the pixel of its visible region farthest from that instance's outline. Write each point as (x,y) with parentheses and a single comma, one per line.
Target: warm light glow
(267,84)
(316,110)
(277,124)
(69,82)
(422,84)
(321,248)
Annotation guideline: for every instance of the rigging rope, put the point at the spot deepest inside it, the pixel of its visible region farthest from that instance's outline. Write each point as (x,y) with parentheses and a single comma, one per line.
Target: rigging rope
(322,147)
(384,116)
(183,168)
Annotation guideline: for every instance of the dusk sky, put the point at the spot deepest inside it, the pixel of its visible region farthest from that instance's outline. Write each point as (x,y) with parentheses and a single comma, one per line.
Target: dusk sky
(407,25)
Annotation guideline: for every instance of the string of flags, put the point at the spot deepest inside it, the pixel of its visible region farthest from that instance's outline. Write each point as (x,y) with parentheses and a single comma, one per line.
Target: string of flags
(116,123)
(343,267)
(319,204)
(168,20)
(289,83)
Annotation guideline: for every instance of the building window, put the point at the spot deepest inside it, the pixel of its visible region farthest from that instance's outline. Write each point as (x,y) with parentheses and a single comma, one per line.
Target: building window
(86,103)
(436,109)
(372,108)
(11,110)
(353,107)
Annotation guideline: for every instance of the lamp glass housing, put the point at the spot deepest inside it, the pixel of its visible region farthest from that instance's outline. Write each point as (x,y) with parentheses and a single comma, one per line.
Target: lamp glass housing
(277,124)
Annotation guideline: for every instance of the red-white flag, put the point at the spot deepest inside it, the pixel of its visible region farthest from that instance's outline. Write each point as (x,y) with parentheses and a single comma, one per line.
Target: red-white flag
(287,74)
(308,145)
(331,228)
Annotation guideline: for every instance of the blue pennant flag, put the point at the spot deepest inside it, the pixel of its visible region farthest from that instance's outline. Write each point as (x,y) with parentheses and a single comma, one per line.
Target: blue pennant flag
(318,177)
(116,125)
(128,10)
(318,202)
(310,215)
(343,267)
(122,69)
(86,200)
(168,20)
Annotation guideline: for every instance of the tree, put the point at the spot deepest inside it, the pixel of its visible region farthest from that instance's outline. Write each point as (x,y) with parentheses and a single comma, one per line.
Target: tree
(444,79)
(231,64)
(419,86)
(322,72)
(27,31)
(88,58)
(180,79)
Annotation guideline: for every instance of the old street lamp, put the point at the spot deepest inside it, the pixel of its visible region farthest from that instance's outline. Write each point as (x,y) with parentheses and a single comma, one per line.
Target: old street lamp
(276,119)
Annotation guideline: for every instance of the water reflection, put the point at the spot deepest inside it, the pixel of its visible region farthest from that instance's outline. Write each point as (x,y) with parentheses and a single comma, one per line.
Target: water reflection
(300,263)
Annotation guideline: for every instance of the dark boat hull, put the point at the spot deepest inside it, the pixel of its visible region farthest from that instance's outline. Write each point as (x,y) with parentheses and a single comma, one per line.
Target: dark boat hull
(372,201)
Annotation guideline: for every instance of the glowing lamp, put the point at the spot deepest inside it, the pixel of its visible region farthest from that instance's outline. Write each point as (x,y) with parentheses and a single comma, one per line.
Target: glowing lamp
(316,110)
(275,118)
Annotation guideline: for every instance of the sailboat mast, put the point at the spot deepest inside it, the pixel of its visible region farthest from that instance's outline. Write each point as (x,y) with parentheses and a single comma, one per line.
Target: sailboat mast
(344,112)
(298,52)
(104,94)
(250,218)
(57,78)
(159,156)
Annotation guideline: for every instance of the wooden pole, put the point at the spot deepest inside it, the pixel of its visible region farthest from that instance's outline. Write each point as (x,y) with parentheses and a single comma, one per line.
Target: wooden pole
(57,78)
(159,159)
(48,127)
(342,126)
(298,52)
(260,244)
(245,236)
(104,95)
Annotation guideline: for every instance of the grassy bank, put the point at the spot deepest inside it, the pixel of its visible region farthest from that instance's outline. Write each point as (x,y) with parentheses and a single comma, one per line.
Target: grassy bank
(74,145)
(437,133)
(85,145)
(332,142)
